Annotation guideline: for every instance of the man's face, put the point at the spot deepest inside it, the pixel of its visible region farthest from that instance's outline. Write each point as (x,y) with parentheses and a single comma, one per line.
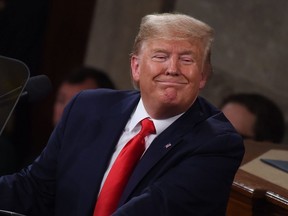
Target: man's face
(241,118)
(65,94)
(169,73)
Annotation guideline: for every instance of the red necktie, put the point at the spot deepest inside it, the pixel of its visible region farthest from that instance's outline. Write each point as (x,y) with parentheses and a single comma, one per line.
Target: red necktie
(121,170)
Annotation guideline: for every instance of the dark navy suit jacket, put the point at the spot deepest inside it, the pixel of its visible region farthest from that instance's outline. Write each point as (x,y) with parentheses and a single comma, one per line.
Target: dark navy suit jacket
(187,170)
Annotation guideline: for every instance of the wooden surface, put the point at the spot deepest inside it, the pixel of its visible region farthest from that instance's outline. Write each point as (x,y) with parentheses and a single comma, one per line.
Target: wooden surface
(253,196)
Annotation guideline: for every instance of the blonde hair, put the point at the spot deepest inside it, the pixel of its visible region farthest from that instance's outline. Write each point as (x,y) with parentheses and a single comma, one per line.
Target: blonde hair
(173,25)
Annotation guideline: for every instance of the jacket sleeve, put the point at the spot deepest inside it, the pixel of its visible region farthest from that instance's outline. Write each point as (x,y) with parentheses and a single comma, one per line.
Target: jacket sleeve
(31,191)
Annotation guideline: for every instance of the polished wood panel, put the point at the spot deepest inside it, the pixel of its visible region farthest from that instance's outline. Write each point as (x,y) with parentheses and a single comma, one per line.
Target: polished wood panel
(254,196)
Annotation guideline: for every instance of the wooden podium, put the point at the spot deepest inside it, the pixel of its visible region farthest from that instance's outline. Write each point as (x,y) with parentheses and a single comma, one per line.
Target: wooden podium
(255,196)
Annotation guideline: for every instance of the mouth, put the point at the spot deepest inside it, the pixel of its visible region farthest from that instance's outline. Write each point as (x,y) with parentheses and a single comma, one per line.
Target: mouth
(171,82)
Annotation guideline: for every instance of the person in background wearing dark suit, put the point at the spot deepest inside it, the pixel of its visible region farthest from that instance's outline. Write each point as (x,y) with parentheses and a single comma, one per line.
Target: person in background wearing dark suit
(80,79)
(187,151)
(255,116)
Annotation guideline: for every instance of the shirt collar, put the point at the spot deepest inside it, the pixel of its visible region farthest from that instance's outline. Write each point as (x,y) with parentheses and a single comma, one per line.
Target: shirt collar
(141,113)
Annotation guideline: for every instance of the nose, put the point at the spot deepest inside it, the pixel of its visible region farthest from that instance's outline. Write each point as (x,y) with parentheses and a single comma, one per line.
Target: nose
(172,68)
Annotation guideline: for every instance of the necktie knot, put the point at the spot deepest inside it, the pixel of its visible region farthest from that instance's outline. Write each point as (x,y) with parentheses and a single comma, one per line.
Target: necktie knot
(147,127)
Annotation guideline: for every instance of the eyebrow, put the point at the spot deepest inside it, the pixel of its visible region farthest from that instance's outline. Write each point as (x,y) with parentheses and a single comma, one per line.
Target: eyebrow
(185,52)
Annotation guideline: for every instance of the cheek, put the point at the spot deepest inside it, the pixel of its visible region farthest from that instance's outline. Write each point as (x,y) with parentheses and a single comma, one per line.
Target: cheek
(198,79)
(145,71)
(58,109)
(57,113)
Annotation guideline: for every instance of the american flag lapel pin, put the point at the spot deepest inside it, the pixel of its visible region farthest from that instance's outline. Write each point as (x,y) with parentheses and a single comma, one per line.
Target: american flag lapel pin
(168,145)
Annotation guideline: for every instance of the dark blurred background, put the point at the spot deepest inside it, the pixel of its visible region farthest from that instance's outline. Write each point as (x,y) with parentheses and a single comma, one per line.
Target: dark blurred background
(55,36)
(50,37)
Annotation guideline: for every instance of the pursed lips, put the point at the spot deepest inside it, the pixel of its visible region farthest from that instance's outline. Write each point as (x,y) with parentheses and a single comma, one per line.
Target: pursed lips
(172,81)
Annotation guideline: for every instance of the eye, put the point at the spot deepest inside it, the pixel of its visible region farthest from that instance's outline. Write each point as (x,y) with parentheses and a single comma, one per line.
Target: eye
(187,60)
(159,57)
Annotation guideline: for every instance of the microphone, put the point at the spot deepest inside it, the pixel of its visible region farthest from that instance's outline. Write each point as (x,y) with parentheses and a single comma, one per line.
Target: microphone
(37,88)
(3,212)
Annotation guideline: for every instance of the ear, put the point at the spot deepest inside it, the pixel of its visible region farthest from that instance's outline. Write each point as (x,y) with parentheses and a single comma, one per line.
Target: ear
(207,71)
(203,81)
(134,63)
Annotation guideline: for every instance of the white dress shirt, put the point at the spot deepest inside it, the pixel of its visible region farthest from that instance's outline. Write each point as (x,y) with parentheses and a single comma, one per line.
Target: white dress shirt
(133,127)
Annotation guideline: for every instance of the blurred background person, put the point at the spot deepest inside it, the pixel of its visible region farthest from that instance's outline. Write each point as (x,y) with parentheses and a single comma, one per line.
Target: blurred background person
(255,117)
(80,79)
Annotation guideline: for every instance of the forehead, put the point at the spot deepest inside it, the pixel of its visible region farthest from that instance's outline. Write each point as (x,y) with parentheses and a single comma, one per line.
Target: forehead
(181,45)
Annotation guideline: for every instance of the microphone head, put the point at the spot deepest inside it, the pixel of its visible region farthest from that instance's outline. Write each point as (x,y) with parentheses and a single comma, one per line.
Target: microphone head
(38,87)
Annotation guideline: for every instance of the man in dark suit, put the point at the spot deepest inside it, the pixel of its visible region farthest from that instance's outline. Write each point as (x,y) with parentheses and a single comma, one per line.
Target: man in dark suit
(190,158)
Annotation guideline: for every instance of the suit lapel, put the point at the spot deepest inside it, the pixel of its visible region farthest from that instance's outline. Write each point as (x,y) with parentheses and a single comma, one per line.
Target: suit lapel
(110,127)
(164,143)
